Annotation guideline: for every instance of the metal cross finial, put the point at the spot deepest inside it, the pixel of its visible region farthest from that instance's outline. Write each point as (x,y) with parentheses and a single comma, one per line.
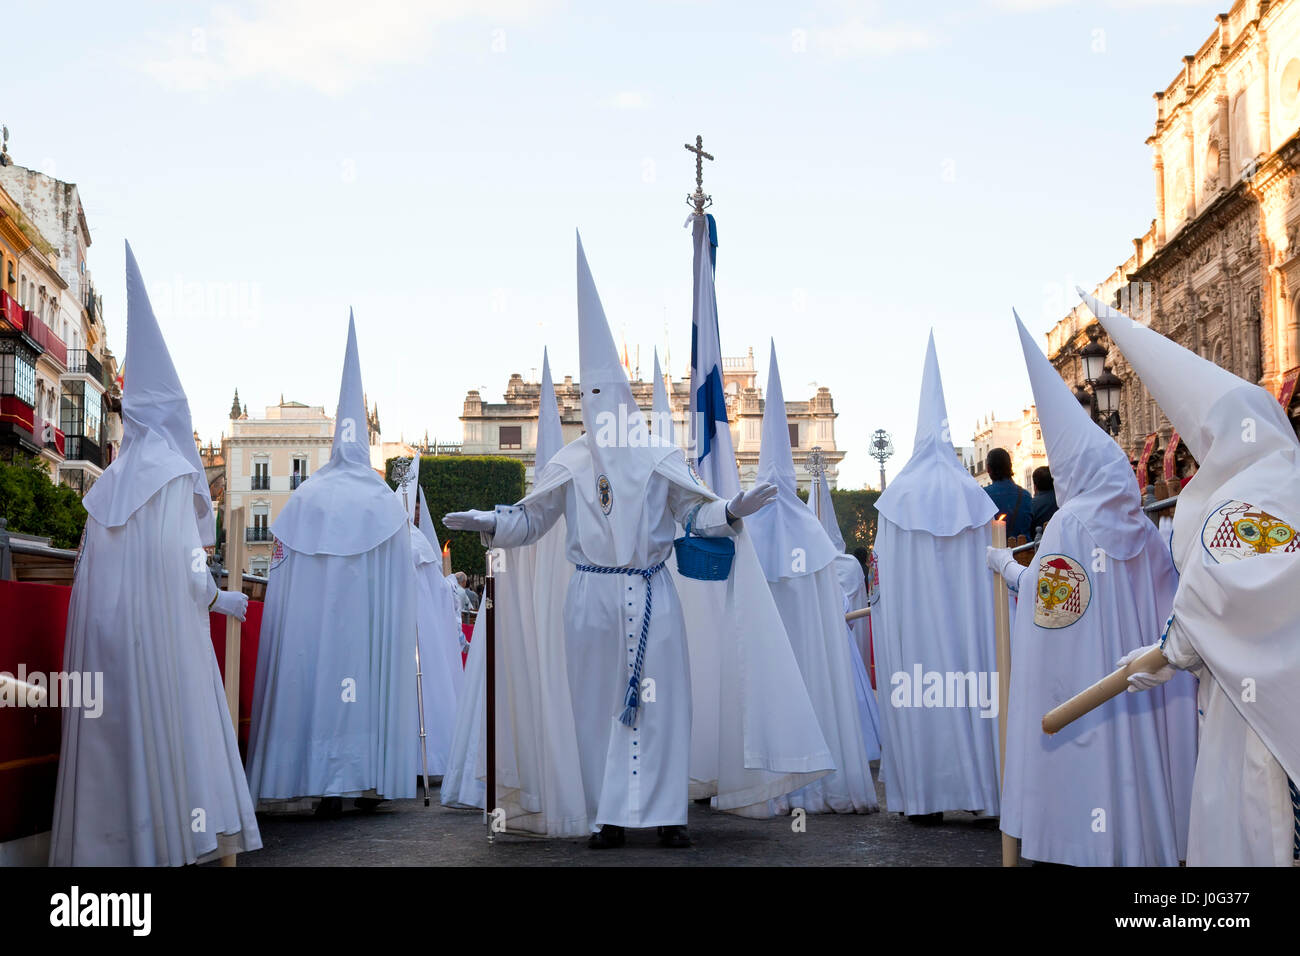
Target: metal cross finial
(698,200)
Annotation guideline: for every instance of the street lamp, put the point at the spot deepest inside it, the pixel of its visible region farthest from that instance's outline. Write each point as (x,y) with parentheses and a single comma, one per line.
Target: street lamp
(882,448)
(1103,400)
(1093,356)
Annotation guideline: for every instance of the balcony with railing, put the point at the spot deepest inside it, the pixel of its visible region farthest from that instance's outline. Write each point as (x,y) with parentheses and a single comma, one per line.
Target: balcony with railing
(261,482)
(44,336)
(257,533)
(81,448)
(82,362)
(296,480)
(12,312)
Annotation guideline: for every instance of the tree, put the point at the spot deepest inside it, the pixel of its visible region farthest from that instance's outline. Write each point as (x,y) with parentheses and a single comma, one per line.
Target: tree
(462,482)
(33,504)
(855,513)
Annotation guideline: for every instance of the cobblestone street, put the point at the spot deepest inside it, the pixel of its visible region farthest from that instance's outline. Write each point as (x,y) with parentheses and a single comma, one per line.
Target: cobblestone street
(405,833)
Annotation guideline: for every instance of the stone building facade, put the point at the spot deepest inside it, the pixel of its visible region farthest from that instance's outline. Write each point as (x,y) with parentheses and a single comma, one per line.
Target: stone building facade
(1219,269)
(510,427)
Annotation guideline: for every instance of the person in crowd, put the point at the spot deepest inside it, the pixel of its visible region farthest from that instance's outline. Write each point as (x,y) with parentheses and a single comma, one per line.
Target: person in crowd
(1011,500)
(1043,504)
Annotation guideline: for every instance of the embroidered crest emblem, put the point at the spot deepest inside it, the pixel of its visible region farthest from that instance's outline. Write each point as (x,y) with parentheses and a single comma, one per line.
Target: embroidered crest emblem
(605,494)
(1064,591)
(277,554)
(1237,530)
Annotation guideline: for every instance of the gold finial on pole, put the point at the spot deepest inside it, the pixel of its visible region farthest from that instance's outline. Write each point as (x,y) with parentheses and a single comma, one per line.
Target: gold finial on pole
(698,200)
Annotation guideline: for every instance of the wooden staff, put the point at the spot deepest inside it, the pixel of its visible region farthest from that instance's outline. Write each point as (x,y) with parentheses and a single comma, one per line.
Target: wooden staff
(234,582)
(1002,636)
(1112,685)
(854,615)
(490,657)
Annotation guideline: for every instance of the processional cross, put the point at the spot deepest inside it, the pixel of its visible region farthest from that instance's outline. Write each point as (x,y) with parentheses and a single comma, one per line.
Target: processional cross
(698,200)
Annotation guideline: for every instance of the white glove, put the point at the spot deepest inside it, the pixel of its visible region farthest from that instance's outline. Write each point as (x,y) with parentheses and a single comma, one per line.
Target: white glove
(1139,682)
(747,502)
(998,558)
(231,604)
(471,521)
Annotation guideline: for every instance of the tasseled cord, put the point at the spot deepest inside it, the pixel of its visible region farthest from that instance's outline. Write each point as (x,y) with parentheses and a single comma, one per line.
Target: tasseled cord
(632,699)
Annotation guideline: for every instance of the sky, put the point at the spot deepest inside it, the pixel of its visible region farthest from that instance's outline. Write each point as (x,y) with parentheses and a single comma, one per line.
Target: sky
(881,170)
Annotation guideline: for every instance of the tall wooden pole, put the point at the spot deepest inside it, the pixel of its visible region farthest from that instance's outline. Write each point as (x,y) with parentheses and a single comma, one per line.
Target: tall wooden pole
(1002,636)
(235,550)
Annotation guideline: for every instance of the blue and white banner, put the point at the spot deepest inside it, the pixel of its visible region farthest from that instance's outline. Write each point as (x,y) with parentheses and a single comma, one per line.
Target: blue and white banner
(710,449)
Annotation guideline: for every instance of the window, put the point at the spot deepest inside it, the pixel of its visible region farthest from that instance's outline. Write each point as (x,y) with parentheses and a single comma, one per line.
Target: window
(261,476)
(794,434)
(18,377)
(299,474)
(510,436)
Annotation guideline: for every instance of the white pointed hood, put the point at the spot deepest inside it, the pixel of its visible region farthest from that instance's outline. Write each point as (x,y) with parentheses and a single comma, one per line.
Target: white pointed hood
(1093,478)
(157,432)
(1230,426)
(346,508)
(351,425)
(662,412)
(933,492)
(550,433)
(608,409)
(611,463)
(790,540)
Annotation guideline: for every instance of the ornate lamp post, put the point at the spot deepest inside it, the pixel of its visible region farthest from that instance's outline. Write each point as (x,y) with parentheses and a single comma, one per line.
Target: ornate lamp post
(1103,401)
(881,449)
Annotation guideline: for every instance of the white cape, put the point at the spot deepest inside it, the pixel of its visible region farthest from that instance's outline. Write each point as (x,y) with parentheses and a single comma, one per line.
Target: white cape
(130,778)
(935,617)
(334,710)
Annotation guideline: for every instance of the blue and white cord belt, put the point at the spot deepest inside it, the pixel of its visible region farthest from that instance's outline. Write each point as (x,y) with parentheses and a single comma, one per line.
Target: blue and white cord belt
(632,699)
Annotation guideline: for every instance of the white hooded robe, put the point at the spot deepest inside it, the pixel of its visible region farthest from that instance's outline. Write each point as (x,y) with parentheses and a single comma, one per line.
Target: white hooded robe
(334,702)
(799,562)
(622,492)
(933,626)
(1113,788)
(1236,544)
(155,779)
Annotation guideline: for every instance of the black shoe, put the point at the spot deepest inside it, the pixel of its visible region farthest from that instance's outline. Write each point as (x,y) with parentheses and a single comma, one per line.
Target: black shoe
(367,804)
(610,837)
(674,838)
(329,808)
(926,819)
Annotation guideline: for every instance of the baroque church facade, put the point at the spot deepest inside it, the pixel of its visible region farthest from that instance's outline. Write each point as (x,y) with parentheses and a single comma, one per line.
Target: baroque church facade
(1219,269)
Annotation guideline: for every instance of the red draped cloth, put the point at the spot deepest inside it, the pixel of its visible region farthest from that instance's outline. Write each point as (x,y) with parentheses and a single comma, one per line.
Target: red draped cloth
(33,622)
